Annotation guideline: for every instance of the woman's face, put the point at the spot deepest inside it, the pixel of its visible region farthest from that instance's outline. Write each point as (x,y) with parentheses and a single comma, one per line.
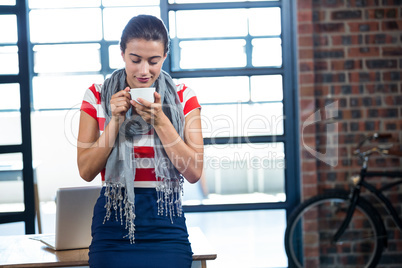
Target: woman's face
(143,60)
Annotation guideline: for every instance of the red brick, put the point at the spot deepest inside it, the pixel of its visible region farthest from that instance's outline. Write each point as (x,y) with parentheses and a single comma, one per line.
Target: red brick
(393,100)
(381,88)
(305,28)
(307,108)
(358,77)
(306,66)
(381,38)
(343,40)
(305,41)
(391,25)
(346,14)
(320,40)
(304,4)
(307,91)
(309,191)
(307,130)
(319,15)
(308,140)
(360,3)
(322,90)
(307,105)
(329,4)
(363,26)
(381,13)
(309,166)
(345,89)
(329,27)
(321,66)
(306,54)
(339,65)
(310,179)
(329,53)
(391,2)
(305,16)
(392,51)
(361,52)
(381,64)
(330,77)
(392,76)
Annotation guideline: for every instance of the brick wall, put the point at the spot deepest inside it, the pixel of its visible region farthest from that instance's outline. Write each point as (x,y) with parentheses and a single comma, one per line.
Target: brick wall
(349,54)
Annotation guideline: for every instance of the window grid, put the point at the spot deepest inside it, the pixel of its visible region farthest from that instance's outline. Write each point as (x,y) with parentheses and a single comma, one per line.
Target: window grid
(24,149)
(104,44)
(286,70)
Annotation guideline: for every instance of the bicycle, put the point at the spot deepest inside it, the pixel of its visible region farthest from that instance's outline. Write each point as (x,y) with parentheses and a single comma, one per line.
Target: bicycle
(340,228)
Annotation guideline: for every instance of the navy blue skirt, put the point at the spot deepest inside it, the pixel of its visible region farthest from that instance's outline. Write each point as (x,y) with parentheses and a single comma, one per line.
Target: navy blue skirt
(158,241)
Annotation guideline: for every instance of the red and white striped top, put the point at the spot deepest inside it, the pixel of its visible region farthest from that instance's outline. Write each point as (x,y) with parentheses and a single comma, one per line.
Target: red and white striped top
(143,144)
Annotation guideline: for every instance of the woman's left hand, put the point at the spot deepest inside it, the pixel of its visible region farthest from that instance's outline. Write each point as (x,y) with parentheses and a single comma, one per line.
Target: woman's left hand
(152,113)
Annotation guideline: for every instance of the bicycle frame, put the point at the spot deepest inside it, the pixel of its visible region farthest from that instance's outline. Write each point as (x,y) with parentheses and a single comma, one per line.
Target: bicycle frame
(355,195)
(381,197)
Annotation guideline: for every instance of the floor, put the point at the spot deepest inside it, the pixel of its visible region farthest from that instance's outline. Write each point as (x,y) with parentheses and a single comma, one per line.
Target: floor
(243,239)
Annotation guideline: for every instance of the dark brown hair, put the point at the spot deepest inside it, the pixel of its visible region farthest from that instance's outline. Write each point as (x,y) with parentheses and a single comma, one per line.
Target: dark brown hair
(145,27)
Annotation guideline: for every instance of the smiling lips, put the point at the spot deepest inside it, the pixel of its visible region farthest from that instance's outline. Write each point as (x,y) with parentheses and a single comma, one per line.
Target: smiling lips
(143,79)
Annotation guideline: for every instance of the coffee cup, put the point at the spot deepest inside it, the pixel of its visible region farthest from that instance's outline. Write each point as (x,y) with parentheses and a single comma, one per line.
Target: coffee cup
(146,93)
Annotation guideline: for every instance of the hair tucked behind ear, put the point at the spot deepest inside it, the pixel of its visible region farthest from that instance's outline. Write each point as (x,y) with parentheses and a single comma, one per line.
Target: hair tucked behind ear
(145,27)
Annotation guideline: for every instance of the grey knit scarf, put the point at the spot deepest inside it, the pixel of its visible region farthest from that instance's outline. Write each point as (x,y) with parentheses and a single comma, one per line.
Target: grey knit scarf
(120,167)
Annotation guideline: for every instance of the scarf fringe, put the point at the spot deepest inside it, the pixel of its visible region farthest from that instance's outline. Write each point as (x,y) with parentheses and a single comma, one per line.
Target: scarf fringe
(117,202)
(169,192)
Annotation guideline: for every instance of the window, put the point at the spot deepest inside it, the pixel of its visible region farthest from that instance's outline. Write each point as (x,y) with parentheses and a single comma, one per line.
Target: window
(236,55)
(233,54)
(68,56)
(16,165)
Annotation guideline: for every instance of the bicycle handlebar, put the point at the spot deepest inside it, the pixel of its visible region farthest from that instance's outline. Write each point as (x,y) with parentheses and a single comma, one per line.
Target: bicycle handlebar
(382,136)
(386,150)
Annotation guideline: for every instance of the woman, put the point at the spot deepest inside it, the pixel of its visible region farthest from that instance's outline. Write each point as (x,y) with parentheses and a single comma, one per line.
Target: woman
(143,151)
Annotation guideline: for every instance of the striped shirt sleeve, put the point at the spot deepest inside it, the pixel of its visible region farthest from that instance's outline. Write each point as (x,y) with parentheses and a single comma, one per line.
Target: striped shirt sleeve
(92,105)
(188,99)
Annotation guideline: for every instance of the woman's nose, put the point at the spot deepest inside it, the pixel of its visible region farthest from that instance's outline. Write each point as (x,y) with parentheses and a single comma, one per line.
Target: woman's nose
(144,68)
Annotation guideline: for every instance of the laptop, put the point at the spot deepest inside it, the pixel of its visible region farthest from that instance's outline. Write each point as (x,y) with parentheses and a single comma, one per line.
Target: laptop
(74,211)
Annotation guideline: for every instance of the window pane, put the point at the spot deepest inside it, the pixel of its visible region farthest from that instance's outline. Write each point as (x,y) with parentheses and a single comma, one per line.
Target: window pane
(254,171)
(9,60)
(267,52)
(220,23)
(9,96)
(265,21)
(130,3)
(67,58)
(219,89)
(10,133)
(71,88)
(233,120)
(115,19)
(212,54)
(266,88)
(65,25)
(7,2)
(11,182)
(115,59)
(9,33)
(63,3)
(258,239)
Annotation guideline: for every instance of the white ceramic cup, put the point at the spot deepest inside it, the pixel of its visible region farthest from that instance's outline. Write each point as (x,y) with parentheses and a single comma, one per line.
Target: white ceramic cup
(146,93)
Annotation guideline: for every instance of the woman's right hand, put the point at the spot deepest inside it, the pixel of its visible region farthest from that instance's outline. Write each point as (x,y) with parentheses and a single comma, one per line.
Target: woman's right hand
(120,104)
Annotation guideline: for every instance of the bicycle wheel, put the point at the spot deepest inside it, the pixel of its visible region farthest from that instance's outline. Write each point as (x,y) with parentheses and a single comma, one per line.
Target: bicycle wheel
(311,227)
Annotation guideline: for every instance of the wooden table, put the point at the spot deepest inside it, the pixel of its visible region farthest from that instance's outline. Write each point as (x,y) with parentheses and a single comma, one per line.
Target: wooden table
(21,251)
